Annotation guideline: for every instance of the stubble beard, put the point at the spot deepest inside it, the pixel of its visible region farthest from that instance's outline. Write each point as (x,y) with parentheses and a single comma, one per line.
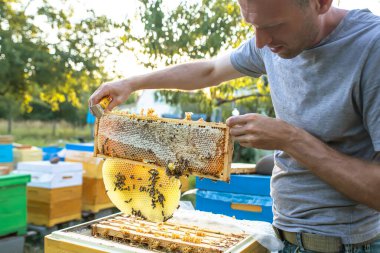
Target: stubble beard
(306,39)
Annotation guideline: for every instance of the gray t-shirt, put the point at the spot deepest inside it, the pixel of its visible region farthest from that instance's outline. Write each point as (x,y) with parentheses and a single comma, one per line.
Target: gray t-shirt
(332,91)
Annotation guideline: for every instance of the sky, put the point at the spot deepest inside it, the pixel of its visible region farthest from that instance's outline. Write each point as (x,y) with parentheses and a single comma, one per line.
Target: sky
(118,10)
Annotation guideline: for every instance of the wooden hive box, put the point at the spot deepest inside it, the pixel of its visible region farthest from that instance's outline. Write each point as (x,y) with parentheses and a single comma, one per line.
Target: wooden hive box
(94,197)
(119,233)
(48,207)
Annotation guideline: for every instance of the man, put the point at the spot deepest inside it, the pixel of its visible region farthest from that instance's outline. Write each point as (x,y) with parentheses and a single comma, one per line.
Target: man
(322,64)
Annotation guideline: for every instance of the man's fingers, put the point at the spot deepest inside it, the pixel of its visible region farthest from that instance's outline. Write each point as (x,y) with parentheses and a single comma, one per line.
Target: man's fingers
(240,119)
(245,144)
(243,138)
(238,130)
(113,104)
(100,93)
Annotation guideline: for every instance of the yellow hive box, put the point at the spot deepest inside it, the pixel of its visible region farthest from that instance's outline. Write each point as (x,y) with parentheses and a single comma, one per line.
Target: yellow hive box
(6,168)
(92,166)
(6,139)
(48,207)
(27,154)
(94,196)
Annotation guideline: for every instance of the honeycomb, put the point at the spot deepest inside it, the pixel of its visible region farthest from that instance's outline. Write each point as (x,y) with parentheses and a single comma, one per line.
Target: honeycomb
(165,236)
(180,146)
(143,190)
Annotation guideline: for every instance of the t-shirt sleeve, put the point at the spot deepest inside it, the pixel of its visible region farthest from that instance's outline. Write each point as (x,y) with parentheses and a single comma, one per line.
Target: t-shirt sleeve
(370,90)
(248,59)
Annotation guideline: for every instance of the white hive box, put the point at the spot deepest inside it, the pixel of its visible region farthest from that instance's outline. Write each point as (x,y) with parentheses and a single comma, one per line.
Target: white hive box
(47,175)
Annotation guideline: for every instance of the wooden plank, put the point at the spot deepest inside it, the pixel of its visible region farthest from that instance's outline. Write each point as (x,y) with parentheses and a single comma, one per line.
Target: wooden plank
(42,220)
(54,195)
(53,246)
(243,168)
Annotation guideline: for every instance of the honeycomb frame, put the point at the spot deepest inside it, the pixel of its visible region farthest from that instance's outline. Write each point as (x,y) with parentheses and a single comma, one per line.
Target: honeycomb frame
(206,146)
(165,236)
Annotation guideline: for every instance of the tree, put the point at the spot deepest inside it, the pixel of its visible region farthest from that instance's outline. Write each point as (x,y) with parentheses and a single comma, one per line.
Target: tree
(195,31)
(53,64)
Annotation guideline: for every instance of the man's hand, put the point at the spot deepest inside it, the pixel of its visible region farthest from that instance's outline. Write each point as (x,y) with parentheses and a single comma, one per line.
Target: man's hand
(355,178)
(119,92)
(258,131)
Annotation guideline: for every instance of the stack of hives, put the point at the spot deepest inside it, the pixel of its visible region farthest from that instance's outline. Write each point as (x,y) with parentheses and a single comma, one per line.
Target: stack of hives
(54,194)
(6,154)
(94,197)
(26,153)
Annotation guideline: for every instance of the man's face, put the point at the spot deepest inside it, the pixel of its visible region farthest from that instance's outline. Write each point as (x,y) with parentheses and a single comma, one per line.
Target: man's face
(283,26)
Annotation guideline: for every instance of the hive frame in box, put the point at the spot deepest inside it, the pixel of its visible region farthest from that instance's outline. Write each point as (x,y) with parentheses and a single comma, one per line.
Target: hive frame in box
(79,239)
(227,150)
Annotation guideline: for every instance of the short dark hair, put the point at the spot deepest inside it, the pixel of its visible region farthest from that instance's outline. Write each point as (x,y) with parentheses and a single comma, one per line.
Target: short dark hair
(302,3)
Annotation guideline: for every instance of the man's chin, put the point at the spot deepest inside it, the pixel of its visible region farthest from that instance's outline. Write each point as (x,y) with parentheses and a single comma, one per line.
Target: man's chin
(288,55)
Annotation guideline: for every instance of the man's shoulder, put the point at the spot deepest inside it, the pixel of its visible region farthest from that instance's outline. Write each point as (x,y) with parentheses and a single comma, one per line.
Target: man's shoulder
(364,19)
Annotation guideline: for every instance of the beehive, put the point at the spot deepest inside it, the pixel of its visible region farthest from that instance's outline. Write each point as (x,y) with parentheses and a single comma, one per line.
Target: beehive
(166,236)
(180,146)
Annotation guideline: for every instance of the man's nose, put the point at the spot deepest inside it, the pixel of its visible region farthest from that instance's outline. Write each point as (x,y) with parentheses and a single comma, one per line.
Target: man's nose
(262,38)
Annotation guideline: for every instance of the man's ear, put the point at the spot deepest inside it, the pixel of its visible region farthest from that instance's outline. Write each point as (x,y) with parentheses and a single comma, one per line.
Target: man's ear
(322,6)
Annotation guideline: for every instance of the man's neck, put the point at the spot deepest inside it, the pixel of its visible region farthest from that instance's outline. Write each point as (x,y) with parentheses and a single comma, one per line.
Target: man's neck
(329,21)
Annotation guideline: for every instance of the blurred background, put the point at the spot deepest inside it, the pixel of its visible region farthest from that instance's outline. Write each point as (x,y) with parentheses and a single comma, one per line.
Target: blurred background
(55,53)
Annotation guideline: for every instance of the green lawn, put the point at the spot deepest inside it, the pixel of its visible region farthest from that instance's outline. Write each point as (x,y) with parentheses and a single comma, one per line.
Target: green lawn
(38,133)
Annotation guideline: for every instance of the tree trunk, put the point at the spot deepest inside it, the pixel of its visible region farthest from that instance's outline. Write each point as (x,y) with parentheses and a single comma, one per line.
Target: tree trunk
(54,128)
(10,119)
(9,123)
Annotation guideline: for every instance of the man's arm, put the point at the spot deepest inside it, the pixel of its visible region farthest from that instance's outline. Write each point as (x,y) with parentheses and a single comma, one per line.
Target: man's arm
(188,76)
(358,180)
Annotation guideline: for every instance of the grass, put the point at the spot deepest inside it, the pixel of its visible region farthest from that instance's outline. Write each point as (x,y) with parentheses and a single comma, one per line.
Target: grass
(38,133)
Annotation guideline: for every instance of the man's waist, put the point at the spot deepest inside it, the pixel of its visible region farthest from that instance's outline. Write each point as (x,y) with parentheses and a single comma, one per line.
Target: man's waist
(316,242)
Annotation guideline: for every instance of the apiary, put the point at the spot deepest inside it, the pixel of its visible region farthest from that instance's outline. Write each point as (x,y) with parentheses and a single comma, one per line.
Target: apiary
(124,233)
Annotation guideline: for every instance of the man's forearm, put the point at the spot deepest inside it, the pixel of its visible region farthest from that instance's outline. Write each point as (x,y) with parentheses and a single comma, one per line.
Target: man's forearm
(357,179)
(188,76)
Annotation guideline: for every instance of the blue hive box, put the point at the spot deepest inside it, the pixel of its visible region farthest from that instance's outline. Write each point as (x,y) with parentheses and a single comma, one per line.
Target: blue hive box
(51,152)
(6,153)
(245,197)
(89,147)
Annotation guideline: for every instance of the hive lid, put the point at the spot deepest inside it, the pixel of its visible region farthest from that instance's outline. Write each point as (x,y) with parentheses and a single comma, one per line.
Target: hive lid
(89,147)
(47,167)
(14,179)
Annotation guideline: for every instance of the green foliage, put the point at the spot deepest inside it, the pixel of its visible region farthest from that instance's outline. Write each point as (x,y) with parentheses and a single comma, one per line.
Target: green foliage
(55,61)
(190,31)
(200,30)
